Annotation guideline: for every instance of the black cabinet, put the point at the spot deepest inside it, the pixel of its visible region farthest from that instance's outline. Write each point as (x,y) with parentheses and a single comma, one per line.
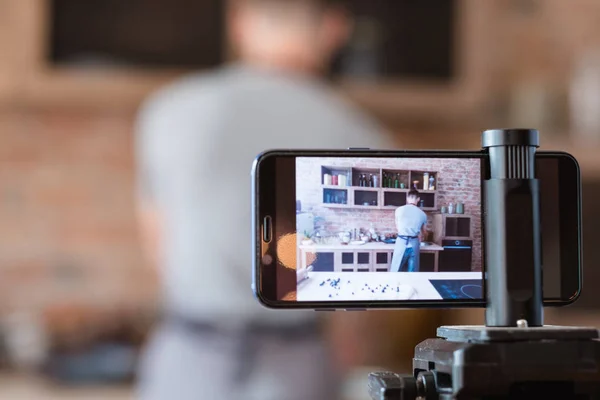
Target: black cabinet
(427,262)
(323,262)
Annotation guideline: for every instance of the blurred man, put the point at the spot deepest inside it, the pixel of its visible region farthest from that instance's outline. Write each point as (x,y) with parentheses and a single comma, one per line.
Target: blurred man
(411,224)
(196,143)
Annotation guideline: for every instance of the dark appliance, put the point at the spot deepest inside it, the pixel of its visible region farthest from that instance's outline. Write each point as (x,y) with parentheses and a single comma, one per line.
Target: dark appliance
(457,256)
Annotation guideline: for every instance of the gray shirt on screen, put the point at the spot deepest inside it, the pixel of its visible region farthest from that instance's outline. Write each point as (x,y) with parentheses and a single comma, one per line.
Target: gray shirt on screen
(196,141)
(409,221)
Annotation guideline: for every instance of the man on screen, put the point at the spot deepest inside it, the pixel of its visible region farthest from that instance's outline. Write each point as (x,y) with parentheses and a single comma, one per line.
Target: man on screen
(410,224)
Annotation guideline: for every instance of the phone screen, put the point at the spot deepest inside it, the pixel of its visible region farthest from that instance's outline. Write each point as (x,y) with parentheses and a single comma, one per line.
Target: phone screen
(381,229)
(375,230)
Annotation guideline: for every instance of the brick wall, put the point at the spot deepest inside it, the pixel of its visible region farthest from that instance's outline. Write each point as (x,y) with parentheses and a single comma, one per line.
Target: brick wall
(68,233)
(459,180)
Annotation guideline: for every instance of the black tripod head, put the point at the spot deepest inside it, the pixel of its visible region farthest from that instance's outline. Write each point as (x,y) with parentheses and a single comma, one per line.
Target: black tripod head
(514,356)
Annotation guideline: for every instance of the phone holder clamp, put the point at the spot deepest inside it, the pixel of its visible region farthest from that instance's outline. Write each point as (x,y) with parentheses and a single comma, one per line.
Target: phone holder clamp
(514,356)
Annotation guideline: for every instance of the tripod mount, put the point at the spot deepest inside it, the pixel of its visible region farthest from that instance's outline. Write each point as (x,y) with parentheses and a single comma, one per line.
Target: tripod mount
(514,356)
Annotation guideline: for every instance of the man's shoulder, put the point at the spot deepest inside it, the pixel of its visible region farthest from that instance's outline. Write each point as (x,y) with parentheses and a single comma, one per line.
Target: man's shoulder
(188,89)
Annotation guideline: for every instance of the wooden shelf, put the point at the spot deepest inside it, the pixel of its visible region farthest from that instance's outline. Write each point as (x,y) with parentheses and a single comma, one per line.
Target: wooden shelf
(334,205)
(355,196)
(336,187)
(404,190)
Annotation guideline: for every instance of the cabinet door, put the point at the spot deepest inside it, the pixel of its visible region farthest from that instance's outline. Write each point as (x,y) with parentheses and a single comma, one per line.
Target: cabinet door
(382,261)
(323,262)
(363,261)
(347,262)
(427,262)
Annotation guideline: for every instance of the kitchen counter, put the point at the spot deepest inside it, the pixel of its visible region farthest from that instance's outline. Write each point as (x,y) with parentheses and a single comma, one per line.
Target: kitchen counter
(369,286)
(366,246)
(371,256)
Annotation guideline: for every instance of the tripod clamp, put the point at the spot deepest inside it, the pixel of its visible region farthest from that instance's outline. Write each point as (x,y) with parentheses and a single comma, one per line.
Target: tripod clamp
(514,355)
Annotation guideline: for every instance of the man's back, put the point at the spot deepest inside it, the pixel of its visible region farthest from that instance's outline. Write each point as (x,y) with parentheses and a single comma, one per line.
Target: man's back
(198,140)
(409,220)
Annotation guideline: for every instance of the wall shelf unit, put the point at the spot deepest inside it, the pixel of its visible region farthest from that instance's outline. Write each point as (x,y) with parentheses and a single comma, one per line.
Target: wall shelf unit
(375,188)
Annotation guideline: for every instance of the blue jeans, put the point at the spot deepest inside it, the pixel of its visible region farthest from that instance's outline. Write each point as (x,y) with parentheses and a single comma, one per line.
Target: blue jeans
(408,263)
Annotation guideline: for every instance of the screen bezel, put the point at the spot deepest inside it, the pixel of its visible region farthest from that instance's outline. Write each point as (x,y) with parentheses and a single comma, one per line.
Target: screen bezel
(570,220)
(274,168)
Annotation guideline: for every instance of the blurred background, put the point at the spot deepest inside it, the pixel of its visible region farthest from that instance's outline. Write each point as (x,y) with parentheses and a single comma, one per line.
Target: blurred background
(76,298)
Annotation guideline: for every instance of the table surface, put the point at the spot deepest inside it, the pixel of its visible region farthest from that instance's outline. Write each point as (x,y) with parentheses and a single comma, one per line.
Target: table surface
(370,286)
(366,246)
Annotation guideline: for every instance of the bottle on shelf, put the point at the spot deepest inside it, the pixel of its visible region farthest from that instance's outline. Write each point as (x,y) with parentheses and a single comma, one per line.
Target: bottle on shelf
(371,183)
(431,182)
(426,181)
(360,180)
(397,182)
(326,179)
(334,180)
(375,180)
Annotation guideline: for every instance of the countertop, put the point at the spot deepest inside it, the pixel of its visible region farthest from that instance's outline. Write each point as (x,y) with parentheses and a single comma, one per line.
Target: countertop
(369,286)
(366,246)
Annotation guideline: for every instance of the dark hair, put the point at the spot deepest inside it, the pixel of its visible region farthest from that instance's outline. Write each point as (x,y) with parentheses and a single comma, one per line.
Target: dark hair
(413,193)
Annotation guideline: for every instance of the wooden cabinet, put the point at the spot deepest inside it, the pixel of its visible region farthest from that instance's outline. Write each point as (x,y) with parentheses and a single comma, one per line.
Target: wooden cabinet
(452,226)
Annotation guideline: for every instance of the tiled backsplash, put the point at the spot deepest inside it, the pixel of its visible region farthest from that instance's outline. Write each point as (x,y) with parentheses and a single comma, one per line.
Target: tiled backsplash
(458,181)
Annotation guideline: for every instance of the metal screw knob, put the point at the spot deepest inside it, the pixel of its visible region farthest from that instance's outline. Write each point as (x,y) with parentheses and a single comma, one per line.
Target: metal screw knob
(426,386)
(392,386)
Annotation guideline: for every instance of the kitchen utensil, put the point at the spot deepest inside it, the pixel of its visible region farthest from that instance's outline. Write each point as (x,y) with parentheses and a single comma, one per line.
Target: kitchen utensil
(344,237)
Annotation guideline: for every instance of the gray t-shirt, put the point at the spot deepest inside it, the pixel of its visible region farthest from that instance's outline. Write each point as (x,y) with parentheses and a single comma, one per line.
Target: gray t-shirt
(196,142)
(409,220)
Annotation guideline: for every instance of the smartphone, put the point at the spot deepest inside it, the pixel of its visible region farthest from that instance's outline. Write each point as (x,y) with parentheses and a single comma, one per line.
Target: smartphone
(364,229)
